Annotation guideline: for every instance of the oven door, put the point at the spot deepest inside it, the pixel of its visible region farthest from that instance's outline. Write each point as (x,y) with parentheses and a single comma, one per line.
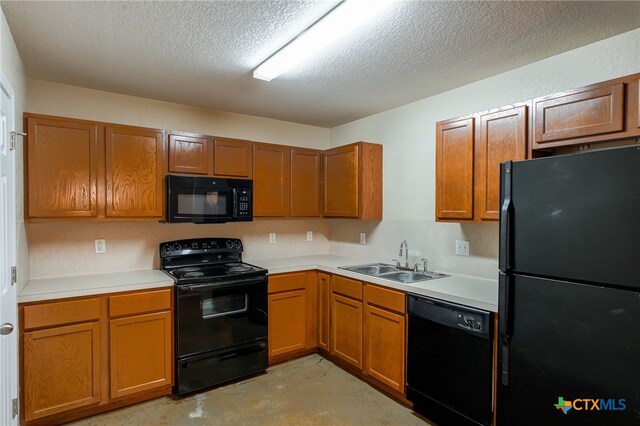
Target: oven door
(211,317)
(199,200)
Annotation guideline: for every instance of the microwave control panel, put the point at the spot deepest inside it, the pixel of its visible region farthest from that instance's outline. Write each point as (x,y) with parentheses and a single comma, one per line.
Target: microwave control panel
(244,203)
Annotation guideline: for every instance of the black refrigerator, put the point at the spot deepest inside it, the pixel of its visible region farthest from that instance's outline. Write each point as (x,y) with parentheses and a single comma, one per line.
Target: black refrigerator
(569,290)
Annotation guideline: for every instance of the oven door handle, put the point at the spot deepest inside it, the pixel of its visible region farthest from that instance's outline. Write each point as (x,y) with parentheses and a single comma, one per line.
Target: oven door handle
(222,285)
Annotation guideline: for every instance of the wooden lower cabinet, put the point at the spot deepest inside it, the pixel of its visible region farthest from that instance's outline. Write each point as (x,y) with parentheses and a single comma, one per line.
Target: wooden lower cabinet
(140,353)
(324,300)
(287,322)
(87,355)
(292,315)
(62,369)
(385,336)
(346,329)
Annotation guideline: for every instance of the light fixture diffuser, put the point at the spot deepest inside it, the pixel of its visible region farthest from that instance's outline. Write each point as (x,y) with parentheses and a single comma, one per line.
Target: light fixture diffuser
(343,18)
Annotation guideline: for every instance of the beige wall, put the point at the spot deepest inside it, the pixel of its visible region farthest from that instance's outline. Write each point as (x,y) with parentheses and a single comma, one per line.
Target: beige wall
(11,66)
(78,102)
(408,136)
(68,248)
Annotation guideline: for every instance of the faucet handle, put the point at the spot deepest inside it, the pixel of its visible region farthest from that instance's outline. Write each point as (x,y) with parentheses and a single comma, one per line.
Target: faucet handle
(397,262)
(425,262)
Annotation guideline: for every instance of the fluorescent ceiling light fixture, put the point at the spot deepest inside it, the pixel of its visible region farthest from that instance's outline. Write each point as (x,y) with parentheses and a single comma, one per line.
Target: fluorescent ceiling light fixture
(339,21)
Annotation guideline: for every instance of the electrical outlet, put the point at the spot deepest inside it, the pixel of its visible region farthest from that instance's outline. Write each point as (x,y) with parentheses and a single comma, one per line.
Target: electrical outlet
(363,238)
(309,235)
(272,238)
(101,246)
(462,248)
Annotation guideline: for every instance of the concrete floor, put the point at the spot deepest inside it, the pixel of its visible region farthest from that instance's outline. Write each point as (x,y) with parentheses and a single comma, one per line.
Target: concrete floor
(306,391)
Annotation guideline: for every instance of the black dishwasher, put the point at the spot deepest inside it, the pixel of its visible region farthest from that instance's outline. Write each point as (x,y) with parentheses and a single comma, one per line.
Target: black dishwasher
(450,362)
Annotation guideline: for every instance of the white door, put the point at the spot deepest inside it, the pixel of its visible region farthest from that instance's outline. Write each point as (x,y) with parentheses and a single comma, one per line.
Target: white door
(8,302)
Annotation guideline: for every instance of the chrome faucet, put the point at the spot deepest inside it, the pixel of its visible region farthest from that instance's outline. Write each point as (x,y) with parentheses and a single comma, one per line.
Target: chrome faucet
(406,253)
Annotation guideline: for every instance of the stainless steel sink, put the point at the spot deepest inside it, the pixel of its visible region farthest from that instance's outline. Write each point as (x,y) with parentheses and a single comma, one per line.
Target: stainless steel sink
(389,272)
(375,269)
(406,276)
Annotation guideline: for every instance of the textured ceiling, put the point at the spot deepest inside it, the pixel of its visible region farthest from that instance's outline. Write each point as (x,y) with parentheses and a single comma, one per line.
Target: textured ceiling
(202,53)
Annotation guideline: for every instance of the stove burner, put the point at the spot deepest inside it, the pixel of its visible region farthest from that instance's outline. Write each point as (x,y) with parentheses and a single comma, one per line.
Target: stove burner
(192,269)
(234,268)
(194,274)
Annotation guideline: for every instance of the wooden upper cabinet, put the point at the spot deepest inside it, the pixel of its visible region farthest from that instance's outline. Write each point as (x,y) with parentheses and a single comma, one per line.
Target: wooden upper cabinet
(305,182)
(501,136)
(271,174)
(341,181)
(62,369)
(233,158)
(134,172)
(590,111)
(352,177)
(189,154)
(62,168)
(454,169)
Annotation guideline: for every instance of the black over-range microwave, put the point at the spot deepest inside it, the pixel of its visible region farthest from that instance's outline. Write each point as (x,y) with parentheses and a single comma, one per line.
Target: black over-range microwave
(208,200)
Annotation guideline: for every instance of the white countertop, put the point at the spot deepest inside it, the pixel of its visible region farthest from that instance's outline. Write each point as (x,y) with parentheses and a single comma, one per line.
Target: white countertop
(476,292)
(86,285)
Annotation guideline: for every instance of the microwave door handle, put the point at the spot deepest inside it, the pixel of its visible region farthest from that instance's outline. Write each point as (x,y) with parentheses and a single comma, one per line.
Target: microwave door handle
(234,203)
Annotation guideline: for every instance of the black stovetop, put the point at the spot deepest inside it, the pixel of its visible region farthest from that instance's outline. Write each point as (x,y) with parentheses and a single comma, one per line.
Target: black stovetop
(205,260)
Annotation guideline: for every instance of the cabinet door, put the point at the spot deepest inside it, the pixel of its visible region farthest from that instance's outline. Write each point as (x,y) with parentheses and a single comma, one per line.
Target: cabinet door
(134,172)
(578,113)
(271,167)
(384,346)
(287,322)
(232,158)
(454,169)
(305,182)
(61,369)
(346,329)
(502,136)
(341,183)
(323,311)
(62,168)
(189,154)
(140,353)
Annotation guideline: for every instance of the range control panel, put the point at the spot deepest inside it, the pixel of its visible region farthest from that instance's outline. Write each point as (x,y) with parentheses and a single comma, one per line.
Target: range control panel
(470,321)
(200,245)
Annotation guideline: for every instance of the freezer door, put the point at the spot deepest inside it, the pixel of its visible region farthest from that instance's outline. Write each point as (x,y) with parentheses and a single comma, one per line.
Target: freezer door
(570,343)
(576,217)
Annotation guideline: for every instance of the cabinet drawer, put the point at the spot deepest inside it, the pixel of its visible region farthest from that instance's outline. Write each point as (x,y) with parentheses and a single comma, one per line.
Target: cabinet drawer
(386,298)
(288,282)
(136,303)
(346,287)
(58,313)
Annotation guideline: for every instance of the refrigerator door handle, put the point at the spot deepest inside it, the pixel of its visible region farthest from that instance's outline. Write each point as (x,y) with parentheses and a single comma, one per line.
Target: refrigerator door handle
(506,218)
(504,324)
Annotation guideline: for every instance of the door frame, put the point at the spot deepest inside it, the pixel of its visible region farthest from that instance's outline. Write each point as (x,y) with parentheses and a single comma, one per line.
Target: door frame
(11,244)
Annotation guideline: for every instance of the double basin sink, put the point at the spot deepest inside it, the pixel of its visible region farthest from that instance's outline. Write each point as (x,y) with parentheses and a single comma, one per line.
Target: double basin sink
(390,272)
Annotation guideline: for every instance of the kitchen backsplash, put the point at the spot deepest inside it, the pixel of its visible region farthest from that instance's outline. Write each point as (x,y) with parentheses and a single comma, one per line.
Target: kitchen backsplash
(68,248)
(434,241)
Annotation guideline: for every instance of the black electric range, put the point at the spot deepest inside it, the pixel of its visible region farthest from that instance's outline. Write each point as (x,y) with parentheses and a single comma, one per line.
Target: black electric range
(220,312)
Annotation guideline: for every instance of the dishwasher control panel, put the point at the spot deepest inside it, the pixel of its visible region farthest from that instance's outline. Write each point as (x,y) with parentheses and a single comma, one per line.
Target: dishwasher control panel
(470,321)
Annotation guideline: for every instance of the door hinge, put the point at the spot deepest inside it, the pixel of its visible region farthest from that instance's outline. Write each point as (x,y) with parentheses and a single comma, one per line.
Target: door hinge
(12,144)
(14,275)
(14,408)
